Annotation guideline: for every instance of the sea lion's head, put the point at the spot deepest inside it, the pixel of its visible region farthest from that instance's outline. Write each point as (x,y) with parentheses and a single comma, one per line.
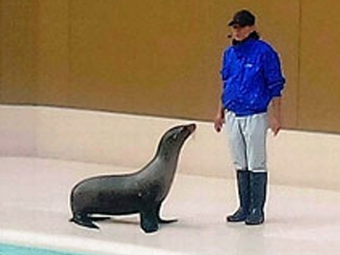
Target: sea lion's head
(173,139)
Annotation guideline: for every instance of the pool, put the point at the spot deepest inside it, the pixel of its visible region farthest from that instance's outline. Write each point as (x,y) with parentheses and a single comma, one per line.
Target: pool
(7,249)
(13,242)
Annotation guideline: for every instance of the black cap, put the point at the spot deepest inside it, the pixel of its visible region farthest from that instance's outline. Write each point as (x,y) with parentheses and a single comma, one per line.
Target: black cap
(243,18)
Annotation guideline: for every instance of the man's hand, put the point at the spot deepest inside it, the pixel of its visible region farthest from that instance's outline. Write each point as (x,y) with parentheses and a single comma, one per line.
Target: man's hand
(219,119)
(218,123)
(275,125)
(275,116)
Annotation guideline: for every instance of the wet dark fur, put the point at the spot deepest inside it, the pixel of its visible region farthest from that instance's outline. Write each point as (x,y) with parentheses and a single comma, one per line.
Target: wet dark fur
(141,192)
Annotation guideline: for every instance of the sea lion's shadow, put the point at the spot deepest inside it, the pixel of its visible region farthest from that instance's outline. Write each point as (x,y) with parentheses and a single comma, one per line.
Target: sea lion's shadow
(117,220)
(134,220)
(125,221)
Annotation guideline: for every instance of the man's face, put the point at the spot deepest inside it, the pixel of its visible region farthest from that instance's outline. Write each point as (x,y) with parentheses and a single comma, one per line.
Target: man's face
(240,33)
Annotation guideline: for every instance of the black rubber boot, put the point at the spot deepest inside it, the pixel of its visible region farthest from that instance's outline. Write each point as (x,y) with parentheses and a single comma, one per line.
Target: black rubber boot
(243,192)
(258,190)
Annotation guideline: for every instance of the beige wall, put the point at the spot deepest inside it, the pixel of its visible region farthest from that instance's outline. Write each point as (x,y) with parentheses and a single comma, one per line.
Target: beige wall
(162,57)
(19,51)
(110,138)
(319,90)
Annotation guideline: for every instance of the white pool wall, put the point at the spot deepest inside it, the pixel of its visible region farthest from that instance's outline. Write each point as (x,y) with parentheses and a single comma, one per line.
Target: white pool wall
(295,158)
(77,245)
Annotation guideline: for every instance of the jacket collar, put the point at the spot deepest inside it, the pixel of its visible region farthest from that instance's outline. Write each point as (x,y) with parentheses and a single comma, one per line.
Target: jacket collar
(244,47)
(253,36)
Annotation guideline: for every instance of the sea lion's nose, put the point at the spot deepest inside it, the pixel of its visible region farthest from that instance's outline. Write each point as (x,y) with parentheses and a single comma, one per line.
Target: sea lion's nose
(191,127)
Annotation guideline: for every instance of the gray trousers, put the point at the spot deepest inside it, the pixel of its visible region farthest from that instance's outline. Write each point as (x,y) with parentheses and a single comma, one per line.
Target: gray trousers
(247,141)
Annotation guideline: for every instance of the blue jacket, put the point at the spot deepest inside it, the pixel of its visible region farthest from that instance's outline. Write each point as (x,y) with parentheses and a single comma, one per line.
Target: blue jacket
(252,76)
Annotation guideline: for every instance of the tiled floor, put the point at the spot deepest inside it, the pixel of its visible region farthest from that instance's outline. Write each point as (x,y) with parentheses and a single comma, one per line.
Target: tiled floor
(34,209)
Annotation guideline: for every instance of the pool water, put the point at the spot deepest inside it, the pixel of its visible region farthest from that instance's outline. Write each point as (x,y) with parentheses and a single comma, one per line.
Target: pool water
(7,249)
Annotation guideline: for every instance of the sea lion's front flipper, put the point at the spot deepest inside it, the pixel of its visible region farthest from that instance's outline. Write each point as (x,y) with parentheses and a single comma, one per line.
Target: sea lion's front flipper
(159,219)
(162,221)
(84,221)
(98,218)
(148,222)
(149,217)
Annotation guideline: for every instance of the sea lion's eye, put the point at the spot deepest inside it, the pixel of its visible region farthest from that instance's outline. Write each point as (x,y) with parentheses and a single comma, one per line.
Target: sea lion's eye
(174,137)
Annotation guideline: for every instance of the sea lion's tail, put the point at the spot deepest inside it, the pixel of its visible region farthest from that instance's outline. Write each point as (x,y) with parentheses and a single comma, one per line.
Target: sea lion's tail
(83,221)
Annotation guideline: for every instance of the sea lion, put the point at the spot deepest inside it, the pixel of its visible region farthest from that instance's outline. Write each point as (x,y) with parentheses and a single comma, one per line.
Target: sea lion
(141,192)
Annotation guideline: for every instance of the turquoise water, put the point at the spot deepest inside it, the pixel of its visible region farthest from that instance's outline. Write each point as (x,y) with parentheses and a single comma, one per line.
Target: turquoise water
(7,249)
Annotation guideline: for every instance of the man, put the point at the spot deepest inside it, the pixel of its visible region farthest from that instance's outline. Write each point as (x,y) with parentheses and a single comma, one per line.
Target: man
(252,80)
